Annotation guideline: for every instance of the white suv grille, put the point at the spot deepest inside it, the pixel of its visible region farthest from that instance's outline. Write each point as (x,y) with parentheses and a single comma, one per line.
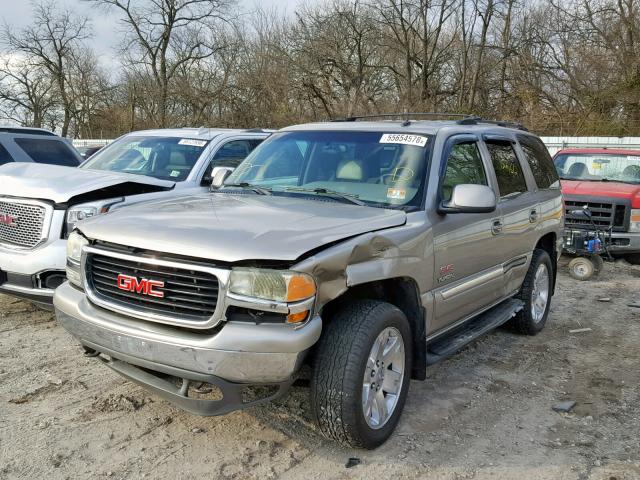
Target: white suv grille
(23,223)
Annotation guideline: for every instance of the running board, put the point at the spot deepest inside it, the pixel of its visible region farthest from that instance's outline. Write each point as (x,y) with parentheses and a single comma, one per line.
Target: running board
(446,346)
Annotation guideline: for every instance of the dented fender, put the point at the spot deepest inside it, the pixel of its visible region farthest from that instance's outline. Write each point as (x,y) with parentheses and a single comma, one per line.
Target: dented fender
(404,251)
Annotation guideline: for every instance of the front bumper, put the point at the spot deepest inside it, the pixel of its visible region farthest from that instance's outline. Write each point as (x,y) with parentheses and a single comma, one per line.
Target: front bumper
(622,243)
(23,269)
(232,356)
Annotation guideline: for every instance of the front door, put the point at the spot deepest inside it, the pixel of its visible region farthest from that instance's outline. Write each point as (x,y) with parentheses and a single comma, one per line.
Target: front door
(468,270)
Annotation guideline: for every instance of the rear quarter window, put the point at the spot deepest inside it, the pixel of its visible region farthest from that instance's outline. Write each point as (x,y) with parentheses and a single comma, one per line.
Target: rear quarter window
(540,162)
(52,152)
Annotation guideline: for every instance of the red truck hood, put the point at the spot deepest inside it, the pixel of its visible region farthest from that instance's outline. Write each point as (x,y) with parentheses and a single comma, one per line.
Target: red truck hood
(602,189)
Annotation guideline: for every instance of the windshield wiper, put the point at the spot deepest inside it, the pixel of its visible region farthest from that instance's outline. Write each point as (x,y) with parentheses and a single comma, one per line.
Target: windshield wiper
(248,186)
(347,197)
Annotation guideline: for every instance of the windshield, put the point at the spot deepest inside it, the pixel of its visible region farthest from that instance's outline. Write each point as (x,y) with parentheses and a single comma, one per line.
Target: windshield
(166,158)
(598,166)
(374,168)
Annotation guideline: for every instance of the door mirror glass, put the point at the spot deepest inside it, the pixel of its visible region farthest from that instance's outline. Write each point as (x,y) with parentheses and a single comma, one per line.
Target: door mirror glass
(469,198)
(219,175)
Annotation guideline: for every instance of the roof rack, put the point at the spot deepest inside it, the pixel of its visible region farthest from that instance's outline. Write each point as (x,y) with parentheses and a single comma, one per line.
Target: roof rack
(474,120)
(404,115)
(27,131)
(463,118)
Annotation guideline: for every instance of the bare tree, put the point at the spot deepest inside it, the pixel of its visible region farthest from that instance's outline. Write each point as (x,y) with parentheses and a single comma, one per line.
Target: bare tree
(49,42)
(26,94)
(164,35)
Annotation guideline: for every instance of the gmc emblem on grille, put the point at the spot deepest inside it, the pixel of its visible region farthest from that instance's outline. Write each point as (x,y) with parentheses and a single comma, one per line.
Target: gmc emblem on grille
(9,220)
(142,285)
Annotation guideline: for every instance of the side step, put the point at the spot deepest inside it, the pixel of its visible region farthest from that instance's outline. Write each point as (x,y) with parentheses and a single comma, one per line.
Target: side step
(446,346)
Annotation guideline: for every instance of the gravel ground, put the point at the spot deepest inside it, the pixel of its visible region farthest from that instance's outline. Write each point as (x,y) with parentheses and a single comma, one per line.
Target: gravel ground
(484,414)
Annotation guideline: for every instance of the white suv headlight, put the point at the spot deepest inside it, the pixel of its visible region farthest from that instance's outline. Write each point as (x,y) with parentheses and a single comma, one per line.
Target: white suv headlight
(80,212)
(75,243)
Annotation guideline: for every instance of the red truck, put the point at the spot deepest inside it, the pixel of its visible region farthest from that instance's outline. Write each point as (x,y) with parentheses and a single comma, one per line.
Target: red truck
(607,181)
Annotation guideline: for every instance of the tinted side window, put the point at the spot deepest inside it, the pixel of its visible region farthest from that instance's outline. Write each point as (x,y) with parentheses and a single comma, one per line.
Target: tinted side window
(233,152)
(5,157)
(53,152)
(507,167)
(540,162)
(464,165)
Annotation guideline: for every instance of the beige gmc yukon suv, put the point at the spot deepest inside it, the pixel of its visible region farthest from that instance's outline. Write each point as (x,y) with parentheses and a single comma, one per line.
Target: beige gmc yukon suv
(367,250)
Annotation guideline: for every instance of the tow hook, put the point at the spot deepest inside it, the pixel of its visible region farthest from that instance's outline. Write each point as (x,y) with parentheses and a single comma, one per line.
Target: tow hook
(90,352)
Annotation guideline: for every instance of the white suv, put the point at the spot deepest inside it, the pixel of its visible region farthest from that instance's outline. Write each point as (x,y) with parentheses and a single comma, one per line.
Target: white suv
(40,204)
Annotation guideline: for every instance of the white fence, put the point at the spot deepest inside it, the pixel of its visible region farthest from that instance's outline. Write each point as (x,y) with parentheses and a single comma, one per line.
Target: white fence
(85,142)
(557,143)
(553,143)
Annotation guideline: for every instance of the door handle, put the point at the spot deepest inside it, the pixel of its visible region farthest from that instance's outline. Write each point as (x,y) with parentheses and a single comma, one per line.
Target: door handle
(496,227)
(533,216)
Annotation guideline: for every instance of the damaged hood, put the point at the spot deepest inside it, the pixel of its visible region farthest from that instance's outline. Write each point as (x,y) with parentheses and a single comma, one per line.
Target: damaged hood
(232,228)
(59,184)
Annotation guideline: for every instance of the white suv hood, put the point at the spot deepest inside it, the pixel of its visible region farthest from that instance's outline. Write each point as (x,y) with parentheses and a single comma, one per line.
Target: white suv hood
(59,184)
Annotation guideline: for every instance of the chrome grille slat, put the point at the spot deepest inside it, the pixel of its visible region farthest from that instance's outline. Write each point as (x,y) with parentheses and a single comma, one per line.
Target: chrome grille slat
(109,286)
(189,295)
(31,224)
(116,264)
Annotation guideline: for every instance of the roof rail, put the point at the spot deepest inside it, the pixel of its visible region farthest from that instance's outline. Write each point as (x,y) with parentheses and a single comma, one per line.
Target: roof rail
(255,130)
(404,115)
(472,120)
(27,131)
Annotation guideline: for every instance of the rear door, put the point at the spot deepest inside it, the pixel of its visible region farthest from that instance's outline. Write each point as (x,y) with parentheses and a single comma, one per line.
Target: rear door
(468,270)
(518,210)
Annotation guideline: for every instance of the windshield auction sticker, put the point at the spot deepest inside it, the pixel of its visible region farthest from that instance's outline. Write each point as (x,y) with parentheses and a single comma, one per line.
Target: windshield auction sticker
(404,139)
(192,142)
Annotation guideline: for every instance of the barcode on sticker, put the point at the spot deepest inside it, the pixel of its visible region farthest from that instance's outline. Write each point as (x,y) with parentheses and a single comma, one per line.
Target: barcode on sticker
(404,139)
(192,142)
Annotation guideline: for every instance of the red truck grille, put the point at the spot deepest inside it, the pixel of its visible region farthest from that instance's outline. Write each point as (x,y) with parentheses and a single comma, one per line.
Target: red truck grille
(606,213)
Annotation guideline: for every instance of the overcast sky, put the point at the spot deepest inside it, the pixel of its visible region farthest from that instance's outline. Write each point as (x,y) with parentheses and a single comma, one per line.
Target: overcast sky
(106,25)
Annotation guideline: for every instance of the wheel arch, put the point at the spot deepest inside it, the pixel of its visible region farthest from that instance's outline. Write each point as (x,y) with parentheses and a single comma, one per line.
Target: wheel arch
(548,243)
(402,292)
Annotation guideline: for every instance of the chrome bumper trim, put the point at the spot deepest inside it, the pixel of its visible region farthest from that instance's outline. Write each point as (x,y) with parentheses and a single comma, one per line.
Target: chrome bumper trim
(238,352)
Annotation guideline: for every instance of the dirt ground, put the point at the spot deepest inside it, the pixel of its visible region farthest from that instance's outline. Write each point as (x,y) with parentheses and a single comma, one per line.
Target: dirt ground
(485,413)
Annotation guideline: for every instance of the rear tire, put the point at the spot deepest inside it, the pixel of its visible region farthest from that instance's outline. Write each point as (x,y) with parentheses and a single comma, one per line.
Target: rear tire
(344,394)
(539,279)
(582,268)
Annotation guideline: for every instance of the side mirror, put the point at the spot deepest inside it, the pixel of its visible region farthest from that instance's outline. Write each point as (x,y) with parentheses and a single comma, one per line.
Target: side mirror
(469,198)
(219,175)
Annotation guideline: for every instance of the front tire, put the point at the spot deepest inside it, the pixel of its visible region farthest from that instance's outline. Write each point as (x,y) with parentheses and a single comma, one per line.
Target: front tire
(361,375)
(536,295)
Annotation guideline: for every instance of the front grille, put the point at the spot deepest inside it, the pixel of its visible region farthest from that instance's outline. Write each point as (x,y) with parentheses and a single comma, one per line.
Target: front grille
(605,213)
(22,224)
(188,294)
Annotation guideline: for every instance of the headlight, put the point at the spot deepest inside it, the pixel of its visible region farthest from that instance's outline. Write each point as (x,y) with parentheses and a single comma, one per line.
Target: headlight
(634,226)
(78,213)
(276,285)
(74,255)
